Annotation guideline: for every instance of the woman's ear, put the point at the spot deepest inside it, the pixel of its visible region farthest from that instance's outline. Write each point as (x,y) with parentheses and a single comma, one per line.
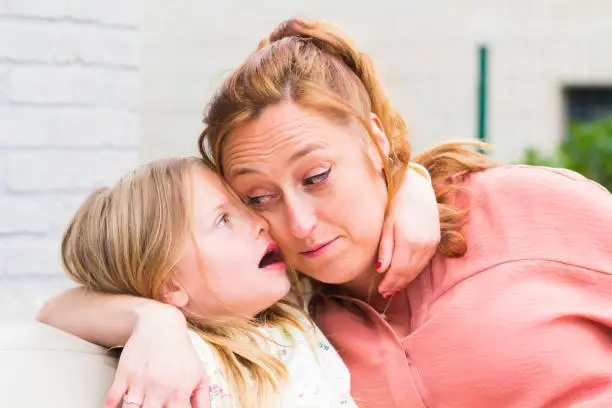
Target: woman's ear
(380,138)
(174,294)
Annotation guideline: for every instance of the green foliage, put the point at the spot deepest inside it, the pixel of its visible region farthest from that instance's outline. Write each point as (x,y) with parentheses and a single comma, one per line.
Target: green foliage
(586,150)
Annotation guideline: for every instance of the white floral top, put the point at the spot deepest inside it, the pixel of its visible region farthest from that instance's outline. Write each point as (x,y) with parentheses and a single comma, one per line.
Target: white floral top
(317,376)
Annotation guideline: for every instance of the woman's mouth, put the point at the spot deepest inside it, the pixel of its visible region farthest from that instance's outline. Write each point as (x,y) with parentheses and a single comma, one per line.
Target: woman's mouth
(272,258)
(318,249)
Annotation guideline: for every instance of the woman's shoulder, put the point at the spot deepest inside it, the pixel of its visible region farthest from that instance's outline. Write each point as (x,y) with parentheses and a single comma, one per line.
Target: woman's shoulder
(529,180)
(524,212)
(539,193)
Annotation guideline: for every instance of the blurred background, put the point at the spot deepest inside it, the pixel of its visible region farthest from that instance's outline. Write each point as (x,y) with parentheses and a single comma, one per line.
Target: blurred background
(91,88)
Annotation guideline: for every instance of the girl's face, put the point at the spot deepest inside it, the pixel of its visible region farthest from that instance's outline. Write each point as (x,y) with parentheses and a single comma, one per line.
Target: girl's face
(231,266)
(318,183)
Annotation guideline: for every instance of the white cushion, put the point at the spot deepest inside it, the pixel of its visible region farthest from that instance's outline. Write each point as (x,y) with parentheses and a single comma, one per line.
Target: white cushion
(41,366)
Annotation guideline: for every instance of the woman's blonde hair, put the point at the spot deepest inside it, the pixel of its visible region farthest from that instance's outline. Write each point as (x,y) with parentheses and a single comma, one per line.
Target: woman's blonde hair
(316,66)
(127,240)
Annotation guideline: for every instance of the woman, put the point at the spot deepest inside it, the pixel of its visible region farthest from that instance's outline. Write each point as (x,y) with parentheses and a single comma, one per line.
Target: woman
(514,309)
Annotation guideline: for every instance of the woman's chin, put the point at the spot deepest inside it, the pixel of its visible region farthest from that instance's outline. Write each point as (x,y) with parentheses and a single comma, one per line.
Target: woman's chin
(335,276)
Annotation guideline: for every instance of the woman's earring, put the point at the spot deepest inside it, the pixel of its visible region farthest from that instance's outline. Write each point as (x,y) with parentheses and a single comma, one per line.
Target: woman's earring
(389,163)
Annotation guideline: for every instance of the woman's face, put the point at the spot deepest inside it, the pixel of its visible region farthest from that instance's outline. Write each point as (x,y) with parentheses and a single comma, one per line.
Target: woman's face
(318,183)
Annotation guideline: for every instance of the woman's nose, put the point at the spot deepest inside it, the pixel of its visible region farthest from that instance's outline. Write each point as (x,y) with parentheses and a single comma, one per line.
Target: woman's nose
(302,217)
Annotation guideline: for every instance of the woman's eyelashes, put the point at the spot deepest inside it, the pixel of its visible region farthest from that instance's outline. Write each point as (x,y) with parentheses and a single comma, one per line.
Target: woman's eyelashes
(317,178)
(257,201)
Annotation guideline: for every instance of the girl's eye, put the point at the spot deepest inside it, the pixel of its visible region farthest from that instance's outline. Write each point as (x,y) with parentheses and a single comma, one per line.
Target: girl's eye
(317,178)
(223,220)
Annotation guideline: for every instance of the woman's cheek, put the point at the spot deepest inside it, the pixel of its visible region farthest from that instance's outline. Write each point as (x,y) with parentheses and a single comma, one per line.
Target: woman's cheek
(279,228)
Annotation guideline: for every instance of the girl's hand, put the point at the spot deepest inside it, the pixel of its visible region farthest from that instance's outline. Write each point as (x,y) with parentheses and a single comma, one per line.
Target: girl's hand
(411,232)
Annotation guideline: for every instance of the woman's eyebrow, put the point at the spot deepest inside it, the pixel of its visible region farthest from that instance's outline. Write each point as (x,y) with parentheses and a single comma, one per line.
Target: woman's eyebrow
(241,171)
(303,151)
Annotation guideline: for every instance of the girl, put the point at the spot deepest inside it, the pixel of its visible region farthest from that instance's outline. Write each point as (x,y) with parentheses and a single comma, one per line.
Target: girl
(172,232)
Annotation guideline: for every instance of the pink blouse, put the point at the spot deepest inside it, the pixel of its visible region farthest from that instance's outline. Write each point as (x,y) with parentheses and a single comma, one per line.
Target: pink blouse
(523,320)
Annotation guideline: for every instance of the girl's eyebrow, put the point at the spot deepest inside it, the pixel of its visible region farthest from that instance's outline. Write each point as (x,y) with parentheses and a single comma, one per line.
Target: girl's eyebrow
(221,206)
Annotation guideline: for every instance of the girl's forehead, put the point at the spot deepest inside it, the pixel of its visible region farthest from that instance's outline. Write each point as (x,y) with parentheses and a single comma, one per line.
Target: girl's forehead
(206,187)
(211,190)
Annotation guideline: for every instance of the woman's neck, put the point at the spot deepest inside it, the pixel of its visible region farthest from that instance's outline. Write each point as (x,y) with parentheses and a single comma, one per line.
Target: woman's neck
(364,287)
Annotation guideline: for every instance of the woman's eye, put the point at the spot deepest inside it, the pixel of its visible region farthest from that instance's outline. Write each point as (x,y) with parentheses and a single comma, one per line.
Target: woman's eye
(223,220)
(317,178)
(257,200)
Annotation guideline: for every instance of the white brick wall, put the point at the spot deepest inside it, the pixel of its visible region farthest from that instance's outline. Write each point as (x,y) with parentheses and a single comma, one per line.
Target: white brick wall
(425,50)
(69,96)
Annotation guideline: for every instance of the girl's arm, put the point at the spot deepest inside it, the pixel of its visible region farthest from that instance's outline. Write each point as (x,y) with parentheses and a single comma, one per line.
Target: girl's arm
(411,232)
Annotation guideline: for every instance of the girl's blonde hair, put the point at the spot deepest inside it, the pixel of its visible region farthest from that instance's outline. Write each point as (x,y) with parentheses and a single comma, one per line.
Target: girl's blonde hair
(316,66)
(127,240)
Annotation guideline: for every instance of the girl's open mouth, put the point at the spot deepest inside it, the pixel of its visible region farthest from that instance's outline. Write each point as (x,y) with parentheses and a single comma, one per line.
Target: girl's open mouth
(272,256)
